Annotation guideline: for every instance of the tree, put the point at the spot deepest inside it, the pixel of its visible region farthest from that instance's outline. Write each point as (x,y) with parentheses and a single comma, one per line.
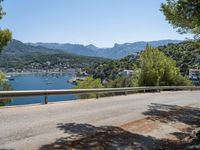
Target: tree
(183,14)
(120,82)
(5,37)
(4,86)
(159,70)
(88,83)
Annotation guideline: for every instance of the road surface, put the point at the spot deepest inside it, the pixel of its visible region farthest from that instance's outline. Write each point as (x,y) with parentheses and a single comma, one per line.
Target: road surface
(34,126)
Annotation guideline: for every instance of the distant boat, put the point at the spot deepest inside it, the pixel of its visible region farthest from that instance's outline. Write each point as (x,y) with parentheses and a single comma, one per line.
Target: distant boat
(49,82)
(10,78)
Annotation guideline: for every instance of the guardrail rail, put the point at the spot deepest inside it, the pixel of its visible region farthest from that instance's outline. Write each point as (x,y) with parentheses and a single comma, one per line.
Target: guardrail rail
(46,93)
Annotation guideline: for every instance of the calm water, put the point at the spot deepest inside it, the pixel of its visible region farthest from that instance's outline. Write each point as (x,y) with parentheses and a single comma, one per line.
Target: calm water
(40,82)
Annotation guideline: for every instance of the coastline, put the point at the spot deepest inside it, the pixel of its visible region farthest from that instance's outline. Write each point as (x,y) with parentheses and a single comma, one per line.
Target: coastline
(24,73)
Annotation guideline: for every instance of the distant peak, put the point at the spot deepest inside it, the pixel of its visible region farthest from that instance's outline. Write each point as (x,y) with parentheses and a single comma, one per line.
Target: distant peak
(91,46)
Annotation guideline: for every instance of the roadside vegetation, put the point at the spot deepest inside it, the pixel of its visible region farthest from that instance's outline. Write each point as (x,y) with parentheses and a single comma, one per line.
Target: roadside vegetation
(150,68)
(186,54)
(5,37)
(88,83)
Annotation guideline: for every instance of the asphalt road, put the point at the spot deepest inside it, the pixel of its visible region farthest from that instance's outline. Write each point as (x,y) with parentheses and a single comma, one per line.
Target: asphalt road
(33,126)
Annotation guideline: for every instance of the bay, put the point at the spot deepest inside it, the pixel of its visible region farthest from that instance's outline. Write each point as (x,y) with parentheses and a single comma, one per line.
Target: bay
(40,81)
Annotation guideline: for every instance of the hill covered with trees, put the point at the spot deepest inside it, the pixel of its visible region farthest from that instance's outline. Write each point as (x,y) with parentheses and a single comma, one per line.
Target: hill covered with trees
(18,56)
(151,67)
(186,54)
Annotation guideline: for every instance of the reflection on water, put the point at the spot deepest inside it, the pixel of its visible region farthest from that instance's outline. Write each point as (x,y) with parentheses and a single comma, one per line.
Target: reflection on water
(40,82)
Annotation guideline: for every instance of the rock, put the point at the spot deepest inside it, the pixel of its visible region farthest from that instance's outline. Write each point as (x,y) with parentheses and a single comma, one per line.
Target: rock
(196,134)
(194,140)
(193,147)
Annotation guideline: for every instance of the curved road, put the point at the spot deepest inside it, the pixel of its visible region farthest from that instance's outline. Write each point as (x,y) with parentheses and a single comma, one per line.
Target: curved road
(33,126)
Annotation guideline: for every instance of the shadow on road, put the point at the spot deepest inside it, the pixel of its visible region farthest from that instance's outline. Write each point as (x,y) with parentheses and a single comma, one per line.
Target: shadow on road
(86,136)
(173,113)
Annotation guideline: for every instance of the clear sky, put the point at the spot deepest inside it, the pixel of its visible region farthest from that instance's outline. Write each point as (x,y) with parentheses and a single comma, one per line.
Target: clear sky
(98,22)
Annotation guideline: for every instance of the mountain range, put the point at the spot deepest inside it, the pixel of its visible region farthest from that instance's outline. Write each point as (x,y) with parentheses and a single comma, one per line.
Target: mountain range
(23,55)
(17,55)
(116,52)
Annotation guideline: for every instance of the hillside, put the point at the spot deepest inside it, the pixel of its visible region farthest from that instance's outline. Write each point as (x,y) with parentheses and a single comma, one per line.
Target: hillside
(22,57)
(116,52)
(186,54)
(16,47)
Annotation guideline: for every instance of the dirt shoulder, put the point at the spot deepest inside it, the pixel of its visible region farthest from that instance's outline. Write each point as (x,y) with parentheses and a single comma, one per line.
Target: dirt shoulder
(172,125)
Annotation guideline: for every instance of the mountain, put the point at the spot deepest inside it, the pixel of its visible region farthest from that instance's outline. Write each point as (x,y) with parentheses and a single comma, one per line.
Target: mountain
(70,48)
(17,55)
(116,52)
(17,48)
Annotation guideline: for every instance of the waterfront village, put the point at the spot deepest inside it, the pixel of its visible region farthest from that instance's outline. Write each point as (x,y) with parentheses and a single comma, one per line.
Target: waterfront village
(78,73)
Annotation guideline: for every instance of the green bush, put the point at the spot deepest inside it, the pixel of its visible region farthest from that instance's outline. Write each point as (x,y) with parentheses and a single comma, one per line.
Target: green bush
(88,83)
(159,70)
(5,87)
(120,82)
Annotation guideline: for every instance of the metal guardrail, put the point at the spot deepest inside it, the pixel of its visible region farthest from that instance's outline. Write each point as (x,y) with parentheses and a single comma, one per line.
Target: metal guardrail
(46,93)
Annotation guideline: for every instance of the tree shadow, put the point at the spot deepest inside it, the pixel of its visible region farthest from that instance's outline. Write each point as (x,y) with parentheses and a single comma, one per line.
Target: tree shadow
(189,116)
(173,113)
(89,137)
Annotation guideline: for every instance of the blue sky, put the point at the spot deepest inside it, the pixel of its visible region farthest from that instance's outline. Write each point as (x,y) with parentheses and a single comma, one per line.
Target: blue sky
(98,22)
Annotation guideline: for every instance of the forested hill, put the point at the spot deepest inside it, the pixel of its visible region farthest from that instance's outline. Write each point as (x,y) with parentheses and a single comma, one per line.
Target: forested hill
(186,54)
(18,55)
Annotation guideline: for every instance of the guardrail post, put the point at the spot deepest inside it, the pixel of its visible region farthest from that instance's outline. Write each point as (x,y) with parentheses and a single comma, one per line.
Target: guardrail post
(97,96)
(125,93)
(45,99)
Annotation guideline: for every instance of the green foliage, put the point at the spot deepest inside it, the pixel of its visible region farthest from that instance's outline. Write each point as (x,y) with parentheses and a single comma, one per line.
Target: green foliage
(153,67)
(120,82)
(159,70)
(183,14)
(5,35)
(18,55)
(4,102)
(2,77)
(110,70)
(2,13)
(186,55)
(89,83)
(4,86)
(38,61)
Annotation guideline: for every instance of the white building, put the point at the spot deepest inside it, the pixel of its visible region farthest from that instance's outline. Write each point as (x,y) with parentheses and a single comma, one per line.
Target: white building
(194,74)
(126,73)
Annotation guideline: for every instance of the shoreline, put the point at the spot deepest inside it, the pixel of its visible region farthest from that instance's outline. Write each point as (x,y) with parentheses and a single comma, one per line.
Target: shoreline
(24,73)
